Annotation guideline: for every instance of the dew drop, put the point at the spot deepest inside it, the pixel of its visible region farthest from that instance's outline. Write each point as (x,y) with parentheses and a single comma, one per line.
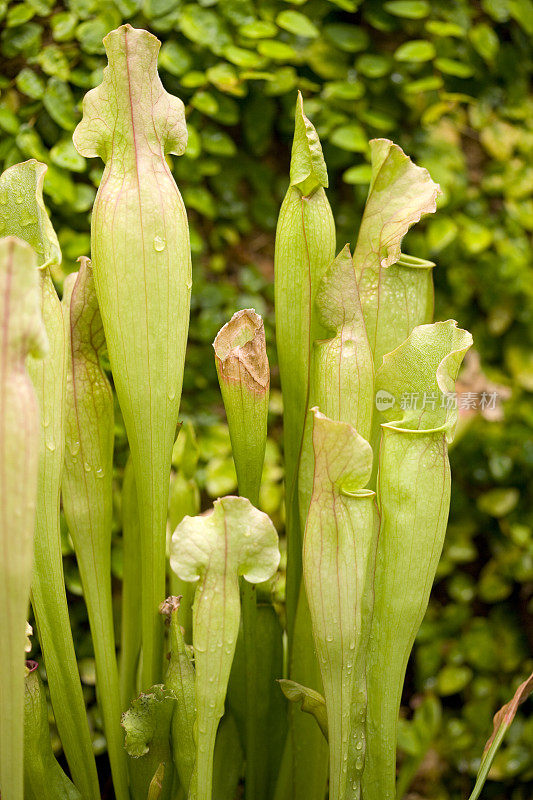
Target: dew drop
(359,763)
(87,466)
(74,448)
(19,199)
(359,745)
(100,472)
(159,244)
(51,445)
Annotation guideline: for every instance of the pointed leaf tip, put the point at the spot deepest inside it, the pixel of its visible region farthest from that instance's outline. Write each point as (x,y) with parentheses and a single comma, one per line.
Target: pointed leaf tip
(79,297)
(310,701)
(23,325)
(501,723)
(156,784)
(23,211)
(338,296)
(506,714)
(308,167)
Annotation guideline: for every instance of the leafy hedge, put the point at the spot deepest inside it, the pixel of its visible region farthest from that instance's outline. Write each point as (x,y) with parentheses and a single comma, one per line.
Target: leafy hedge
(449,80)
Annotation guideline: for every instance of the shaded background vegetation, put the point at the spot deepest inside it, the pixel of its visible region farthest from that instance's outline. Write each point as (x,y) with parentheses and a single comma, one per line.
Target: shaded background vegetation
(449,80)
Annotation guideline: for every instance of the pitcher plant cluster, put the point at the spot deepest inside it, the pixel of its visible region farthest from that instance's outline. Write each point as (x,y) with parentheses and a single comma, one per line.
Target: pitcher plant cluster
(215,686)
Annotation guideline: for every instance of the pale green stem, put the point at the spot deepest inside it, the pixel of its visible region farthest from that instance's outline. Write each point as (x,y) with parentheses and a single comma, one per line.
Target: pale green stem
(43,777)
(26,216)
(339,566)
(22,331)
(131,578)
(87,495)
(234,539)
(244,376)
(142,267)
(48,594)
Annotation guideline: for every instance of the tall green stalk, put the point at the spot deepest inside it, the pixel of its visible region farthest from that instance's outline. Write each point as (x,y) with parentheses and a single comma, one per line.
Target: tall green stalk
(341,531)
(339,562)
(43,777)
(27,218)
(22,332)
(87,490)
(305,246)
(234,539)
(244,377)
(270,704)
(413,501)
(142,269)
(48,587)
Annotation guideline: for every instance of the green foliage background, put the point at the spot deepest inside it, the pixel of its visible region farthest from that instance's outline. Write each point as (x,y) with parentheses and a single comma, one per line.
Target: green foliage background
(449,80)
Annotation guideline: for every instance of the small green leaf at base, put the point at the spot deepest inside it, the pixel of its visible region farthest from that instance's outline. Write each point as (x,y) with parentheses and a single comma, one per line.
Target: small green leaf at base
(310,701)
